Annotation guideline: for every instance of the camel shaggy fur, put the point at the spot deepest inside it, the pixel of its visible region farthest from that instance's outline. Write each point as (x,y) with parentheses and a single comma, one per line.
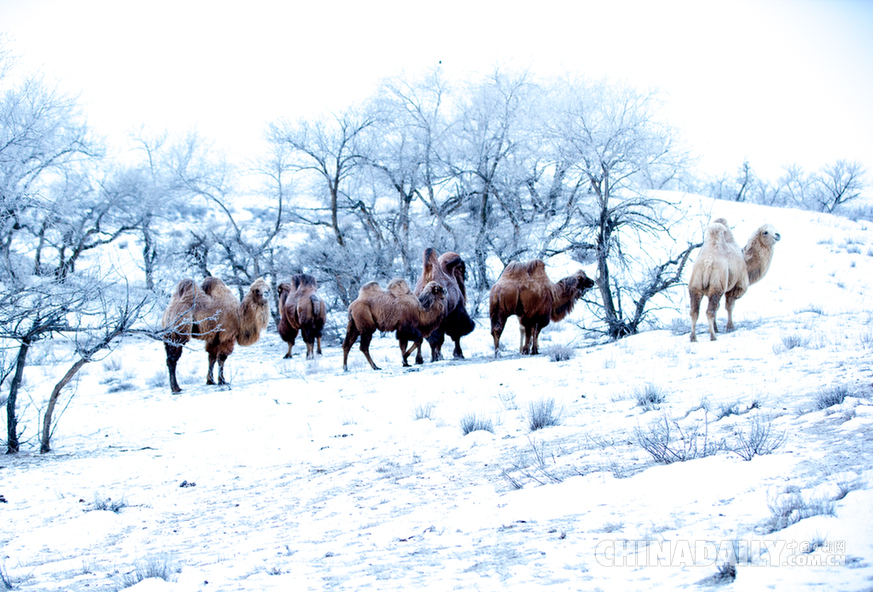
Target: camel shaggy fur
(449,271)
(723,269)
(395,309)
(525,290)
(212,313)
(301,310)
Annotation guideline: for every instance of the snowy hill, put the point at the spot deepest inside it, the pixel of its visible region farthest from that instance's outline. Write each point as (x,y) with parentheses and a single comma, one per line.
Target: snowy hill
(302,477)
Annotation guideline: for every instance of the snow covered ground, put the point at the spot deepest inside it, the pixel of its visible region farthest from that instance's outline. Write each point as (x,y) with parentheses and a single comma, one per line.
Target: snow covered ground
(302,477)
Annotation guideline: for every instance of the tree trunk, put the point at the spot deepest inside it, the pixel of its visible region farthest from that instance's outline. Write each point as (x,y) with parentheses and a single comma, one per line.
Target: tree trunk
(53,399)
(12,444)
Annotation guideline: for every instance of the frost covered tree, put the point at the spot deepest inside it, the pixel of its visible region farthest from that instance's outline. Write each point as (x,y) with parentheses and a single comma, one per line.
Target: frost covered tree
(612,137)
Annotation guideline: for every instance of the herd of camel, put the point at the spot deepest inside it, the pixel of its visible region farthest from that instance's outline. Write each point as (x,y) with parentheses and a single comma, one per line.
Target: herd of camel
(436,307)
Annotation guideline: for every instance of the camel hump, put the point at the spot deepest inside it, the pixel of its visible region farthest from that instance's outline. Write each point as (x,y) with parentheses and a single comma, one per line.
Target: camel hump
(536,269)
(369,289)
(185,289)
(398,287)
(213,285)
(514,269)
(304,280)
(715,233)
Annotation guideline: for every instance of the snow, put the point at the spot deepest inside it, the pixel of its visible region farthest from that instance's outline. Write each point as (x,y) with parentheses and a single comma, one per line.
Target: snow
(303,477)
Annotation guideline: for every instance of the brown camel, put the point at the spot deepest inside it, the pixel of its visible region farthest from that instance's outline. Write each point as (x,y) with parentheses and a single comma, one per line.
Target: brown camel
(301,310)
(212,313)
(722,268)
(396,309)
(448,270)
(525,290)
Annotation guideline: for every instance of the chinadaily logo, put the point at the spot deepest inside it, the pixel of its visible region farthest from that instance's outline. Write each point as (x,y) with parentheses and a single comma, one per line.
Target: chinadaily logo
(789,553)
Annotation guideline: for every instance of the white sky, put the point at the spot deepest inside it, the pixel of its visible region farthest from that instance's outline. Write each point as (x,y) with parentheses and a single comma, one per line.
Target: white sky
(772,81)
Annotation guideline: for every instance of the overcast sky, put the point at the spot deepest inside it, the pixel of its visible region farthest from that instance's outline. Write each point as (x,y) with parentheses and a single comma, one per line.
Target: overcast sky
(772,81)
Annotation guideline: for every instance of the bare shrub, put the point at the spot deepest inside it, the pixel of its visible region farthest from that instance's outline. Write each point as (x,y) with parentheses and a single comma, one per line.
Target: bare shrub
(424,411)
(113,364)
(158,380)
(543,413)
(668,442)
(649,396)
(845,485)
(759,439)
(473,422)
(560,353)
(107,504)
(121,387)
(791,507)
(830,397)
(790,341)
(155,566)
(727,409)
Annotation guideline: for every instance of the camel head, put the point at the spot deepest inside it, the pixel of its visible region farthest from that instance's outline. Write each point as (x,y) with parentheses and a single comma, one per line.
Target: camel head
(432,293)
(284,289)
(583,282)
(768,235)
(259,290)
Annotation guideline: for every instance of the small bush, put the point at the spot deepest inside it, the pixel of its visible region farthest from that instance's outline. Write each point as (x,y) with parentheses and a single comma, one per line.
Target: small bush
(793,340)
(542,414)
(669,442)
(830,397)
(560,353)
(121,387)
(758,440)
(473,422)
(158,380)
(5,580)
(107,504)
(155,566)
(424,411)
(727,409)
(846,486)
(113,364)
(649,397)
(791,507)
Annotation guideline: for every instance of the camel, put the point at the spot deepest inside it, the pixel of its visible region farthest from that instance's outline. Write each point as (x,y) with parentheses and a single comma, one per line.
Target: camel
(301,310)
(722,268)
(396,309)
(525,290)
(212,313)
(449,271)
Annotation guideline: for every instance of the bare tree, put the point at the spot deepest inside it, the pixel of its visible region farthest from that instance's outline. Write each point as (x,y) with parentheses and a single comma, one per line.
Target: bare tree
(839,183)
(410,152)
(103,321)
(612,134)
(489,134)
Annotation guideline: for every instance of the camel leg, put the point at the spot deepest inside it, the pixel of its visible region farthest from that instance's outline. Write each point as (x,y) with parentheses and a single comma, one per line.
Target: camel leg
(729,301)
(365,348)
(174,352)
(457,353)
(528,340)
(695,312)
(310,350)
(292,337)
(535,339)
(212,358)
(318,340)
(222,358)
(711,310)
(522,334)
(403,352)
(436,340)
(352,334)
(497,324)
